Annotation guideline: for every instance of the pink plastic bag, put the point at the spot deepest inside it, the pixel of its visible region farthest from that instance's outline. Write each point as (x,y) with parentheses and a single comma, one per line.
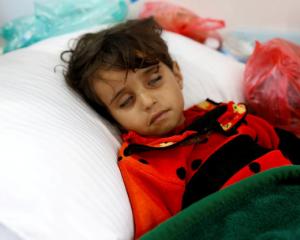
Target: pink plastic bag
(180,20)
(272,83)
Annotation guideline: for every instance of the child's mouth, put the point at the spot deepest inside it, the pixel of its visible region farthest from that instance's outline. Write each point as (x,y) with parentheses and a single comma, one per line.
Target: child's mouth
(157,117)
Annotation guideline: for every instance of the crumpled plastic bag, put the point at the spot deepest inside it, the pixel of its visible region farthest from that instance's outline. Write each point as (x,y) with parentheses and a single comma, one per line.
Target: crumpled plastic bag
(55,17)
(183,21)
(272,83)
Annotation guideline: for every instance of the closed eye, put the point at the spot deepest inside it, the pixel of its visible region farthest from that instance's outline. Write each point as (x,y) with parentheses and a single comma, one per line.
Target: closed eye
(126,102)
(155,81)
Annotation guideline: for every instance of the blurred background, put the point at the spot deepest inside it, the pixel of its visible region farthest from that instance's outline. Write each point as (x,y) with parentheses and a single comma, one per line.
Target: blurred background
(238,23)
(260,14)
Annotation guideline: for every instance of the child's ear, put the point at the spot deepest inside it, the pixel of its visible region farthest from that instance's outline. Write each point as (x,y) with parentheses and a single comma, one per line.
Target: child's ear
(177,74)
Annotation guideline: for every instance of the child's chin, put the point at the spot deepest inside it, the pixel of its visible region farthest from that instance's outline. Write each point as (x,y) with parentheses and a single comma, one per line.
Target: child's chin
(163,131)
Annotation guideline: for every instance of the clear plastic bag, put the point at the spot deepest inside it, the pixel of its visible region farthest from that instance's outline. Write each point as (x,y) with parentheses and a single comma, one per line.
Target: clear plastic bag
(180,20)
(272,83)
(55,17)
(20,32)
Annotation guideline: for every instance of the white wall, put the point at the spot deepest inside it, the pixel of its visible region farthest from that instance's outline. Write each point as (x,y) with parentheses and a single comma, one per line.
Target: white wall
(10,9)
(266,14)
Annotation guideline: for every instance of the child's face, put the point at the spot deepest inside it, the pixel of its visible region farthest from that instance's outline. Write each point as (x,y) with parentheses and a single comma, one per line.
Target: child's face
(149,101)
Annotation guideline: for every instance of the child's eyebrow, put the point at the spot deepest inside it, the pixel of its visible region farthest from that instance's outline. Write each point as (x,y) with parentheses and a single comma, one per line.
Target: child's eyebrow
(151,68)
(117,95)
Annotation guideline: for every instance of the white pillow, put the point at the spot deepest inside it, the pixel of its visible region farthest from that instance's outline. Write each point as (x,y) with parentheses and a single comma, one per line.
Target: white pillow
(207,73)
(59,178)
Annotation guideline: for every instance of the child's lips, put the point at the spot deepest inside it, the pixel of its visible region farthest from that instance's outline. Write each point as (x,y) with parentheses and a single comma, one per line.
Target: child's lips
(156,117)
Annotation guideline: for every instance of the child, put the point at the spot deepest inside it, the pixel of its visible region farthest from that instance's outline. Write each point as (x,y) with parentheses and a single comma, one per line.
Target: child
(170,158)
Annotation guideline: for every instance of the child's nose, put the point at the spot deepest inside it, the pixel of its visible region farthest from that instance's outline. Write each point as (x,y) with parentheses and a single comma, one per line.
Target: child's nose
(147,100)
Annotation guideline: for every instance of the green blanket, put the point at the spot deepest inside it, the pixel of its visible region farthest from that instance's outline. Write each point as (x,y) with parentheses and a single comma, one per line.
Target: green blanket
(263,207)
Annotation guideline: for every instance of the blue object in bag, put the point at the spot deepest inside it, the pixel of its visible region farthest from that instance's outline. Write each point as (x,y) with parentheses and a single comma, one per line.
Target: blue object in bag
(56,17)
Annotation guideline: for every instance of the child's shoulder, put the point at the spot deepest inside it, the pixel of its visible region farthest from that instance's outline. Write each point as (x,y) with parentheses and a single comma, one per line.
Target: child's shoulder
(209,105)
(206,105)
(228,115)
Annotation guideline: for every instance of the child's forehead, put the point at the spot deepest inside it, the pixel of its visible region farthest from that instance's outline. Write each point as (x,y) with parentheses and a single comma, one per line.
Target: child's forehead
(121,75)
(112,75)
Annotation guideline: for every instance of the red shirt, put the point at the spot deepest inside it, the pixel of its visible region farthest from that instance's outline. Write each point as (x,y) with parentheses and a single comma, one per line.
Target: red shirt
(216,146)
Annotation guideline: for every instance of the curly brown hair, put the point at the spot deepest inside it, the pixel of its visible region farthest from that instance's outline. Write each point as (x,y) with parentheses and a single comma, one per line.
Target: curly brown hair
(127,46)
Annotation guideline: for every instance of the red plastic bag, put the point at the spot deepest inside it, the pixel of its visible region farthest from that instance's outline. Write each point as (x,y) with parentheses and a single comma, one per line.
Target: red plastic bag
(180,20)
(272,83)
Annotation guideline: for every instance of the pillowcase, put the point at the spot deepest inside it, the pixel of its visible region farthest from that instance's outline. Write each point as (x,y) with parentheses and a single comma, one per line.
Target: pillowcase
(58,161)
(207,73)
